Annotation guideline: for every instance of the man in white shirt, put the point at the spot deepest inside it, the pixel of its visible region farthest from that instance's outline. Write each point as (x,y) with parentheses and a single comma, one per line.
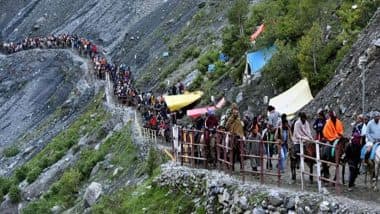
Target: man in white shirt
(302,129)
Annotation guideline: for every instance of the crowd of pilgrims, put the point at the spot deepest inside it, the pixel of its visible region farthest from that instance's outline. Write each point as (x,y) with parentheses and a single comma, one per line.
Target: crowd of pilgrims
(270,127)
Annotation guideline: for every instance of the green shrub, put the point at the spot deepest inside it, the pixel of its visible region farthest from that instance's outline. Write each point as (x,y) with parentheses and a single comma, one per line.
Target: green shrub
(15,194)
(5,184)
(33,174)
(37,207)
(69,183)
(21,173)
(191,52)
(11,151)
(207,59)
(152,161)
(196,84)
(237,73)
(88,159)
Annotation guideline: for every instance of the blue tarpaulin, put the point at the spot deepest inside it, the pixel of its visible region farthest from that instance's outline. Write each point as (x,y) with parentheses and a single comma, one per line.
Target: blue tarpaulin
(211,68)
(258,59)
(223,57)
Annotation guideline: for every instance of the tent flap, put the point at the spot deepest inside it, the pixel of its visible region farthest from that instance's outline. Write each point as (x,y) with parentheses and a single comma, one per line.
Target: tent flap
(257,33)
(293,100)
(258,59)
(197,112)
(177,102)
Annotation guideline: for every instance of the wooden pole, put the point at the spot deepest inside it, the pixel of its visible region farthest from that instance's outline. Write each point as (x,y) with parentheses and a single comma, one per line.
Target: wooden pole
(318,168)
(302,165)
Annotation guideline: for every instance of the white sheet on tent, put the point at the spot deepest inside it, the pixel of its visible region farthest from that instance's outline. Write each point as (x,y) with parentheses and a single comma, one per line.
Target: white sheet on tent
(292,100)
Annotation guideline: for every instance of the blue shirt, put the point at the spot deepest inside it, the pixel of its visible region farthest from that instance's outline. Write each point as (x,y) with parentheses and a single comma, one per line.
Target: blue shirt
(373,131)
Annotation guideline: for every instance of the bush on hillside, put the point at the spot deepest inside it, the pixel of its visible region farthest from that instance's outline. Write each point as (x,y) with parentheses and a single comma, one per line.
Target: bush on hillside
(206,59)
(152,161)
(15,194)
(5,184)
(11,151)
(33,174)
(21,173)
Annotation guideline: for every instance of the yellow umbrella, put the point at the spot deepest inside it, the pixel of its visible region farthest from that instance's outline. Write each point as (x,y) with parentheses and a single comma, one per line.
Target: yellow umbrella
(177,102)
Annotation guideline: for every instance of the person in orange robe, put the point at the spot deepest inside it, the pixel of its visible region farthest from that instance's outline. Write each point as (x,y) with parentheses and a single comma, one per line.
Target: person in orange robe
(333,128)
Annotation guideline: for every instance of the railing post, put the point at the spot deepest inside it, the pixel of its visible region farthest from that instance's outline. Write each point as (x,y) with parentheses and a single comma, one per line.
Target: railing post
(206,147)
(232,154)
(318,168)
(174,140)
(181,145)
(155,136)
(241,145)
(191,135)
(226,148)
(241,150)
(279,163)
(337,174)
(302,164)
(145,135)
(261,149)
(218,140)
(186,147)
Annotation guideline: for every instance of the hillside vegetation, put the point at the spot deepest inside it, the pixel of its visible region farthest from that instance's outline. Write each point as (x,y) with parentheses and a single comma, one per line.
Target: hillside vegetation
(312,37)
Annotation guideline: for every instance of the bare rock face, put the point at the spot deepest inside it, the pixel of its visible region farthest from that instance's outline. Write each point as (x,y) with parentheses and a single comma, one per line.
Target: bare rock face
(344,93)
(126,29)
(34,84)
(93,193)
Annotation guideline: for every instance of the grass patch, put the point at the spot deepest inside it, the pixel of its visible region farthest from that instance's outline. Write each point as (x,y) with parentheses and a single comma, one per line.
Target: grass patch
(11,151)
(91,121)
(146,198)
(64,191)
(15,194)
(5,184)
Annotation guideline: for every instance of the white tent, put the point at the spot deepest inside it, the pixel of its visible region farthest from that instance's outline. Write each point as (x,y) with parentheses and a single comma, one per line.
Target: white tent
(292,100)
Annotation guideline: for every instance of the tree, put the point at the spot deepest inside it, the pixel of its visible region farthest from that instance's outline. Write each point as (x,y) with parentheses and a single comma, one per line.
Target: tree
(235,42)
(309,49)
(238,15)
(282,69)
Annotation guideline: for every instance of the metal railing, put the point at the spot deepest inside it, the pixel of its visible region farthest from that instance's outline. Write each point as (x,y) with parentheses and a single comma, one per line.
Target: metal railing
(191,147)
(262,154)
(319,161)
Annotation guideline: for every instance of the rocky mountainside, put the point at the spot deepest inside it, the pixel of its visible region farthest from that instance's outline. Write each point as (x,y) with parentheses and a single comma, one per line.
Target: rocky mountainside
(67,147)
(344,92)
(39,97)
(131,31)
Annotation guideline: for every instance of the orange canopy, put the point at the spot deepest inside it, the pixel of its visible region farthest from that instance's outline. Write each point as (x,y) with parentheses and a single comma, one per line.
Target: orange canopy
(257,33)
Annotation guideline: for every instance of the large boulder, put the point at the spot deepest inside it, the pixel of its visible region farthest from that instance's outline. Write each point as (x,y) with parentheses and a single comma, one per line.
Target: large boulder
(92,194)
